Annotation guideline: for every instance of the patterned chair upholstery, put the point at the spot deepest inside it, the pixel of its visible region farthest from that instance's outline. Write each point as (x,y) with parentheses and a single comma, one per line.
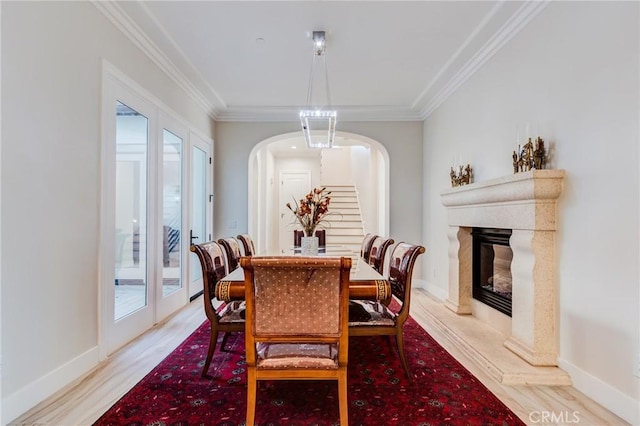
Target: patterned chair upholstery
(365,250)
(379,248)
(232,250)
(373,318)
(228,317)
(296,322)
(247,244)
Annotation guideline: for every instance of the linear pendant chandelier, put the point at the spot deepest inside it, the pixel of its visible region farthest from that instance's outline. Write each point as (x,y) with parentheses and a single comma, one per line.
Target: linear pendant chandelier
(318,121)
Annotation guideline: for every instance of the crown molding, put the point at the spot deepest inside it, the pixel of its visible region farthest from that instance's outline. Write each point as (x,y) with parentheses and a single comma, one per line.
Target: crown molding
(222,112)
(112,11)
(513,26)
(239,113)
(485,21)
(219,102)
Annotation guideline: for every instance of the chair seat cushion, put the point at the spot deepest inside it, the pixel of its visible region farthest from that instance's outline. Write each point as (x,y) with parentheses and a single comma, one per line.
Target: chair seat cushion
(297,355)
(369,313)
(232,312)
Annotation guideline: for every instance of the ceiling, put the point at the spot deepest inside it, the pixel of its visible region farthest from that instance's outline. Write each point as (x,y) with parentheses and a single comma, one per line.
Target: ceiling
(387,60)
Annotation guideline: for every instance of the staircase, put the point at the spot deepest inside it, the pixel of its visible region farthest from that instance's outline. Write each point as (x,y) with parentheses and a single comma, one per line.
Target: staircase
(344,223)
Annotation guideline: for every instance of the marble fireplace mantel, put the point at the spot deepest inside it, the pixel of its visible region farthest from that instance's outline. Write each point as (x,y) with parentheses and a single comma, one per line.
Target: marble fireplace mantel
(525,203)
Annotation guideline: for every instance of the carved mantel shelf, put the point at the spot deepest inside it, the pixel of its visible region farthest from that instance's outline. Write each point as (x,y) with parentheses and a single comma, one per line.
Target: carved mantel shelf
(525,203)
(524,200)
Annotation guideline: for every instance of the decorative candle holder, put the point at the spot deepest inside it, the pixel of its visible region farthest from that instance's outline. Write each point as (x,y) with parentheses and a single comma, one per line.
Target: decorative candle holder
(460,177)
(529,157)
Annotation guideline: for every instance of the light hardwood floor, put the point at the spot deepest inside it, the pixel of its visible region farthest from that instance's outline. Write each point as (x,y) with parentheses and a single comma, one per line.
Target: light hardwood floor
(83,402)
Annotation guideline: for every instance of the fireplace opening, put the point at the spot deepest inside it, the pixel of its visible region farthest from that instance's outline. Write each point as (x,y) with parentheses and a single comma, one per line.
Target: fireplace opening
(491,273)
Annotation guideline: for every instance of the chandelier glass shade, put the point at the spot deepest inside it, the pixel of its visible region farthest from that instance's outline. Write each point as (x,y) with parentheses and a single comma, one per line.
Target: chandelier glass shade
(318,122)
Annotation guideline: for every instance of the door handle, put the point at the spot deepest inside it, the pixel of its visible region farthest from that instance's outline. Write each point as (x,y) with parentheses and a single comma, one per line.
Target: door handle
(192,237)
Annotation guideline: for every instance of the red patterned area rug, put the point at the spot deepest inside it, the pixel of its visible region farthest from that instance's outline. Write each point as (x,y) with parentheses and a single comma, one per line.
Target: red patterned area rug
(443,392)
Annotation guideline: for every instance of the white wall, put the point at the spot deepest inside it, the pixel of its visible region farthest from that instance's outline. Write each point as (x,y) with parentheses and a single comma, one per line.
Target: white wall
(52,56)
(336,166)
(363,169)
(266,195)
(272,241)
(573,71)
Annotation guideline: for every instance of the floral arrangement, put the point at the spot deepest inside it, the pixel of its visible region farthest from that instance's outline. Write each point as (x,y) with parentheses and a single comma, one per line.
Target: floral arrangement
(312,209)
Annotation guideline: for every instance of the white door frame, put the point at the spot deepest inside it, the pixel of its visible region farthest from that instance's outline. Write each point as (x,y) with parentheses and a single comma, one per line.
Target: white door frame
(198,141)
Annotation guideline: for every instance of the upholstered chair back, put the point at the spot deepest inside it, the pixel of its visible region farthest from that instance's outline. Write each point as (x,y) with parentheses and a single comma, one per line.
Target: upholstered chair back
(293,297)
(365,250)
(401,263)
(379,248)
(232,249)
(247,244)
(213,269)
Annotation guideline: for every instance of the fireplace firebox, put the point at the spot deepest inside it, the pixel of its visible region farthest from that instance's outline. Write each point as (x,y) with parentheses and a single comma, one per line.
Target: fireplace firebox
(491,273)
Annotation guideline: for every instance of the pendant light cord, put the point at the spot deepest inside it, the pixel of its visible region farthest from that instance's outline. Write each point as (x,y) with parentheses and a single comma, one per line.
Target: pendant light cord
(326,79)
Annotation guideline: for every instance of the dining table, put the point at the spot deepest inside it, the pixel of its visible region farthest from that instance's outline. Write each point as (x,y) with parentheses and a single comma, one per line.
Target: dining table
(365,283)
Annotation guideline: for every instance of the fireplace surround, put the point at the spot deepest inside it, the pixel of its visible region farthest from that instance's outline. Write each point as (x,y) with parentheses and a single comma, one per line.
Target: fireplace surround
(526,204)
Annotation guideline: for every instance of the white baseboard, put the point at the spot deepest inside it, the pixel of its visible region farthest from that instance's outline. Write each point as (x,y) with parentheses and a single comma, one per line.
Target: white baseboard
(37,391)
(418,283)
(436,291)
(621,404)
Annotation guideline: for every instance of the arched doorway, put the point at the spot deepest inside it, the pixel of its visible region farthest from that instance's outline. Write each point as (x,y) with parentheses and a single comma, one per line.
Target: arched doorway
(369,171)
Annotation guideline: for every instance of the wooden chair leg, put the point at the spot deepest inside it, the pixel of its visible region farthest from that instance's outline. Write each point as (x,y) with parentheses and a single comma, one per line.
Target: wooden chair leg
(389,341)
(213,339)
(343,401)
(400,343)
(251,397)
(224,341)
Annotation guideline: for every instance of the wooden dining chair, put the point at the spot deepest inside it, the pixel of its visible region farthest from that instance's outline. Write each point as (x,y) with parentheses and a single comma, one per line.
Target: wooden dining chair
(297,237)
(365,249)
(228,317)
(322,237)
(247,244)
(379,248)
(374,318)
(232,250)
(296,329)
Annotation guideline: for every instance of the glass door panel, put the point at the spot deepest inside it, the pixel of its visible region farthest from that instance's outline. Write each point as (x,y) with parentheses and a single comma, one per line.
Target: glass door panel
(130,211)
(171,213)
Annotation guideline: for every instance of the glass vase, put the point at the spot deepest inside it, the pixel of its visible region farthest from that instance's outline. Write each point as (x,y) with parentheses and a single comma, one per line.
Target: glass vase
(309,246)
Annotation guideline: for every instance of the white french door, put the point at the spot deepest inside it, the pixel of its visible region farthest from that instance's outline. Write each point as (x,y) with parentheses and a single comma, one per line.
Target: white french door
(146,216)
(128,238)
(201,206)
